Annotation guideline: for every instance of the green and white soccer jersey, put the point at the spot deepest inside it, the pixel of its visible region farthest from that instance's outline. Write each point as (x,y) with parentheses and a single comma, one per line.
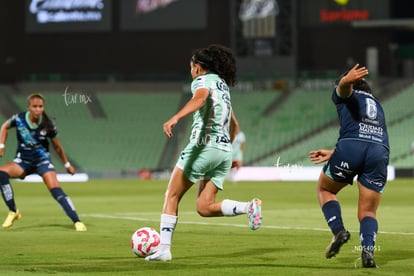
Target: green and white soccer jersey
(208,155)
(211,123)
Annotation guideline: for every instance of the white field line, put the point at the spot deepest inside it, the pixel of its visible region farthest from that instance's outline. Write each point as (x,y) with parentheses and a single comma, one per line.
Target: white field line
(120,216)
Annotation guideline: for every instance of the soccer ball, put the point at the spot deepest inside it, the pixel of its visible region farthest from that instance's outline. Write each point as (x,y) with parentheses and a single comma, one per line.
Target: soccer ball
(145,241)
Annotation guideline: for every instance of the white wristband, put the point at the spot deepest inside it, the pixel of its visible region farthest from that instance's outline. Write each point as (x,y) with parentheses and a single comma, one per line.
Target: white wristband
(67,165)
(2,146)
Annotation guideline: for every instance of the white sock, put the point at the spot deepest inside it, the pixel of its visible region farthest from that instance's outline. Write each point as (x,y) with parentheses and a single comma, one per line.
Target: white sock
(167,226)
(233,208)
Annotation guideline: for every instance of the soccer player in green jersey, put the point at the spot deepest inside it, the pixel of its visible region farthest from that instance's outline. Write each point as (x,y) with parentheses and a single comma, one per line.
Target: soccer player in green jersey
(207,158)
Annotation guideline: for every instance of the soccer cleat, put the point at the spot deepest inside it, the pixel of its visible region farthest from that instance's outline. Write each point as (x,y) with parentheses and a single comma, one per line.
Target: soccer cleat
(337,241)
(368,259)
(254,213)
(11,217)
(162,255)
(80,227)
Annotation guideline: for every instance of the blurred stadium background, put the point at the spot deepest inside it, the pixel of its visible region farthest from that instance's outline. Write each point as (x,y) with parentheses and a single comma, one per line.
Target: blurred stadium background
(114,71)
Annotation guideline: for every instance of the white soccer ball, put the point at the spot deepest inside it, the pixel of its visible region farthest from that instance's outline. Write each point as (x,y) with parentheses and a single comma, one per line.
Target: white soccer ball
(145,241)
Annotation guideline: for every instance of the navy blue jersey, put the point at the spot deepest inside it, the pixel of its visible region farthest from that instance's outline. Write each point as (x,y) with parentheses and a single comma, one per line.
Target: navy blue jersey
(32,140)
(361,118)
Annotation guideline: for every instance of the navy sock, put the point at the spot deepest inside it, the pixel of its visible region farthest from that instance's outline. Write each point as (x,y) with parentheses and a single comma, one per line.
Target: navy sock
(7,191)
(332,213)
(368,232)
(66,203)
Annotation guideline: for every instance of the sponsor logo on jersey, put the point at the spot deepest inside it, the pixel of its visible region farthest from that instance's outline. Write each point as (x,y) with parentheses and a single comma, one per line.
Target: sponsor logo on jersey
(370,129)
(222,86)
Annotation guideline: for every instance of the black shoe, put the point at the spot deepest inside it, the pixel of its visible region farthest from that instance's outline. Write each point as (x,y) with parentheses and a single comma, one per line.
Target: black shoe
(368,259)
(338,240)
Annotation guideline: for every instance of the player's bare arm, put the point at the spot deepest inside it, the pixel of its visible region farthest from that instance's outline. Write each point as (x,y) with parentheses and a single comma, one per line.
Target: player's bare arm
(198,100)
(345,84)
(234,126)
(3,137)
(59,150)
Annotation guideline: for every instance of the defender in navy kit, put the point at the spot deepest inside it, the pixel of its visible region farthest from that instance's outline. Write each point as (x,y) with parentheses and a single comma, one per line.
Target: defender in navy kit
(362,151)
(34,129)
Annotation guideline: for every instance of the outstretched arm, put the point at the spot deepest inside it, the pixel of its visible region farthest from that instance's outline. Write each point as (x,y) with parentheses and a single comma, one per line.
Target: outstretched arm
(345,84)
(320,155)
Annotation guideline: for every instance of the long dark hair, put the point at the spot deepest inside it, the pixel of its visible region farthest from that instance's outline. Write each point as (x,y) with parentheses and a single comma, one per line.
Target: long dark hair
(46,121)
(217,59)
(361,85)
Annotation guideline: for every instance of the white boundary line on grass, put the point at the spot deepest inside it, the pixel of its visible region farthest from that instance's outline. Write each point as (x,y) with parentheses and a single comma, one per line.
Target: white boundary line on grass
(231,224)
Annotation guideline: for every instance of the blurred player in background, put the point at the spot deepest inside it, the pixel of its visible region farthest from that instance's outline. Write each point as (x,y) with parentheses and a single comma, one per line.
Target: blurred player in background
(34,129)
(238,147)
(362,150)
(207,158)
(412,149)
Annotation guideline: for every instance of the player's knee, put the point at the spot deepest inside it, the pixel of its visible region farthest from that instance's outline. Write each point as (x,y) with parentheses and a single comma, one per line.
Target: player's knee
(202,209)
(202,213)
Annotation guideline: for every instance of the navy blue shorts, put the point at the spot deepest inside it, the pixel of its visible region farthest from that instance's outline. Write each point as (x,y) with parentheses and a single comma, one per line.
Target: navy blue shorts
(30,166)
(366,160)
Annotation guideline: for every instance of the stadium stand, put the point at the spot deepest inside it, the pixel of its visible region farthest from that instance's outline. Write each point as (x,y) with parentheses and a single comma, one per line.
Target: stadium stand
(301,113)
(249,108)
(135,125)
(298,153)
(401,137)
(124,140)
(400,119)
(399,104)
(123,130)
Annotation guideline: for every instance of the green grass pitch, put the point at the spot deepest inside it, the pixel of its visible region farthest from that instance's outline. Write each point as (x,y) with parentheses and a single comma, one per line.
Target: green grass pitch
(292,240)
